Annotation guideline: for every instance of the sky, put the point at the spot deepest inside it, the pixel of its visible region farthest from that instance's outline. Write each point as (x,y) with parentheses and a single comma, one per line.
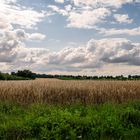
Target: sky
(78,37)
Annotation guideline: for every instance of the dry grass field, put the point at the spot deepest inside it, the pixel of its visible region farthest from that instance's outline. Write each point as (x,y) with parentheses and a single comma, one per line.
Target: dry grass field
(53,91)
(46,109)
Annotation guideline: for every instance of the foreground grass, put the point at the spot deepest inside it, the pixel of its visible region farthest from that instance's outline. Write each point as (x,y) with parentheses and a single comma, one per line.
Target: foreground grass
(45,122)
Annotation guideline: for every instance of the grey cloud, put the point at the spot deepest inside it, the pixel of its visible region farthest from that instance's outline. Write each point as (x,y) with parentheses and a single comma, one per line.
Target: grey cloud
(8,46)
(94,55)
(97,53)
(13,52)
(12,48)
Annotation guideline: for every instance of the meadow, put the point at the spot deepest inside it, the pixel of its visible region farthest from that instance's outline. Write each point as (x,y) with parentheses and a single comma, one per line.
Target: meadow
(52,109)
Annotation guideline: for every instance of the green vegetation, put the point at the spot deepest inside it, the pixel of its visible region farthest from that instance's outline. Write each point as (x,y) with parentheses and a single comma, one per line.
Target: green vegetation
(19,75)
(79,77)
(44,122)
(27,74)
(6,76)
(121,77)
(24,73)
(69,78)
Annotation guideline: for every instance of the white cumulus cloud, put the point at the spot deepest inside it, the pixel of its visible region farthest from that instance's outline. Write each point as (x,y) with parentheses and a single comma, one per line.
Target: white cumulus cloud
(87,18)
(98,53)
(123,18)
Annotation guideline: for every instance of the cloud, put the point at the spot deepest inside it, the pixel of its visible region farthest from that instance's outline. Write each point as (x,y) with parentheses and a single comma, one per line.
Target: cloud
(20,34)
(95,55)
(58,10)
(98,53)
(13,49)
(122,18)
(101,3)
(83,18)
(117,69)
(13,19)
(59,1)
(37,36)
(68,8)
(9,45)
(115,50)
(87,14)
(114,31)
(90,13)
(12,13)
(87,18)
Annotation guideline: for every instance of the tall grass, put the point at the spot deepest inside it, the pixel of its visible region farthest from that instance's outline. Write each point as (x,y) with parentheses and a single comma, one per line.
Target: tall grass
(53,91)
(43,122)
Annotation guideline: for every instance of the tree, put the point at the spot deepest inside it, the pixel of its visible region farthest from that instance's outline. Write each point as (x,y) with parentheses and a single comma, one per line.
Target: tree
(25,73)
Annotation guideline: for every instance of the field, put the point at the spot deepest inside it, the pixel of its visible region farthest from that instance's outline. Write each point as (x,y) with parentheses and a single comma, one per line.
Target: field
(67,109)
(53,91)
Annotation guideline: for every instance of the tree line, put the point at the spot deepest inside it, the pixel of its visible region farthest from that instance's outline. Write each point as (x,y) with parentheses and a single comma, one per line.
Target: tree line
(28,75)
(19,75)
(79,77)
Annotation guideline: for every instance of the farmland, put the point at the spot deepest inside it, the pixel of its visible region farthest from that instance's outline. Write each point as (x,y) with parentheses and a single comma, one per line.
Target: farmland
(54,91)
(68,109)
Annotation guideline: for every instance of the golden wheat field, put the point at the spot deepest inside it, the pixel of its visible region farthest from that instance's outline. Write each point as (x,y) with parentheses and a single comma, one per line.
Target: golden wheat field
(53,91)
